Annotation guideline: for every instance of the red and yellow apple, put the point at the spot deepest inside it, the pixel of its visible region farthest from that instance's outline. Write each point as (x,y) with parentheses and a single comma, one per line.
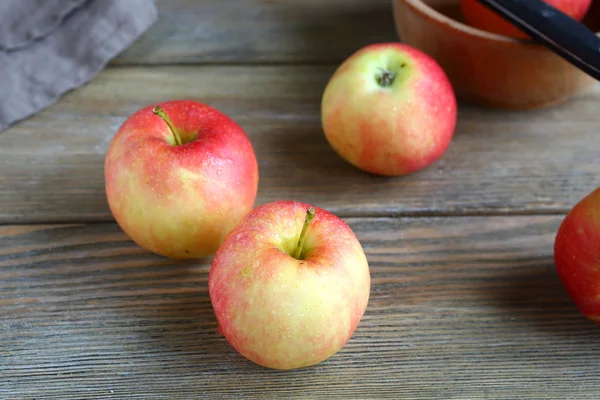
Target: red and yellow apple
(577,255)
(289,285)
(389,109)
(179,176)
(481,17)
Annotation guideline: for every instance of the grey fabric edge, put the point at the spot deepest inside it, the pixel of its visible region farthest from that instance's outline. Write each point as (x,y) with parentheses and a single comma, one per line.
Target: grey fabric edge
(36,33)
(122,36)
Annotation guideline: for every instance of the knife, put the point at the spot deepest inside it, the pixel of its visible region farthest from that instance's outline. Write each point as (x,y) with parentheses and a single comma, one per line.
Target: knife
(552,28)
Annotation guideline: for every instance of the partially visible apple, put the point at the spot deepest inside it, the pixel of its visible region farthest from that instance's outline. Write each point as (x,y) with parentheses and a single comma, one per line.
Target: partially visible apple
(179,176)
(389,109)
(289,285)
(481,17)
(577,255)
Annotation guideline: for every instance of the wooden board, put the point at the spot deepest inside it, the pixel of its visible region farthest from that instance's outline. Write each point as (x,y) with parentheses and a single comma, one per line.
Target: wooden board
(51,166)
(465,300)
(460,308)
(261,31)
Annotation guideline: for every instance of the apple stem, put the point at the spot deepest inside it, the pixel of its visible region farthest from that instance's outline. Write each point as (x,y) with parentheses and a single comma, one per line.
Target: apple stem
(158,110)
(386,78)
(310,214)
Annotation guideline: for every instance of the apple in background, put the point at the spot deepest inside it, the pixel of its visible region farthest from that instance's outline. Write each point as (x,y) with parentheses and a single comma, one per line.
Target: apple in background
(577,255)
(179,176)
(389,109)
(289,285)
(481,17)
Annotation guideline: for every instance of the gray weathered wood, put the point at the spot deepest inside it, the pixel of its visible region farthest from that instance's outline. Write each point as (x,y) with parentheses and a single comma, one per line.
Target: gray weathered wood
(251,31)
(51,166)
(460,308)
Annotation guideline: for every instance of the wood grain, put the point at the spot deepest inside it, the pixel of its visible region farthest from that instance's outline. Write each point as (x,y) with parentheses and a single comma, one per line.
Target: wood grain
(261,31)
(463,307)
(51,166)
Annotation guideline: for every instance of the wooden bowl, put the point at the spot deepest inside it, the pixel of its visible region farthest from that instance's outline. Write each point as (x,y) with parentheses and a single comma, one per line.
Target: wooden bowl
(486,68)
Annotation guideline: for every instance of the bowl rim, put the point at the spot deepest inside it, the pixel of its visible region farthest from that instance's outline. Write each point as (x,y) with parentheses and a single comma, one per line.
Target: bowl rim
(424,9)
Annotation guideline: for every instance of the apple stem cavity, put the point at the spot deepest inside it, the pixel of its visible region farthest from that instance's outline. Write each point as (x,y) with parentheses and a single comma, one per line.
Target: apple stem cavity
(385,78)
(158,110)
(310,214)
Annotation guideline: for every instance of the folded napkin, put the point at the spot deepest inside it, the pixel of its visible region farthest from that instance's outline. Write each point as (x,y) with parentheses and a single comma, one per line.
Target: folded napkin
(48,47)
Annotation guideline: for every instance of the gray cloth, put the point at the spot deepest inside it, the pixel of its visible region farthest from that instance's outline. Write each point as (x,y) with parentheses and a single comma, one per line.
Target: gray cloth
(48,47)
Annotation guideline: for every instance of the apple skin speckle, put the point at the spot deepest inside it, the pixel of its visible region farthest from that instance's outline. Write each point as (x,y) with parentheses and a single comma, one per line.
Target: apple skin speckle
(392,130)
(180,200)
(281,312)
(577,255)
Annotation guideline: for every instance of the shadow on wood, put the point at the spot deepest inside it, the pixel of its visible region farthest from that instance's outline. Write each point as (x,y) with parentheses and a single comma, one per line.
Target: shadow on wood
(332,33)
(261,31)
(536,298)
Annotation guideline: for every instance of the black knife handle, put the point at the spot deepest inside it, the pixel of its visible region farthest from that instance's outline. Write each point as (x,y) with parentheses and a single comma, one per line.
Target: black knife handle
(560,33)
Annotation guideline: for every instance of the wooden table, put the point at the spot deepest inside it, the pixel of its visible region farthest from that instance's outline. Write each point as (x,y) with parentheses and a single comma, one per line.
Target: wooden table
(465,301)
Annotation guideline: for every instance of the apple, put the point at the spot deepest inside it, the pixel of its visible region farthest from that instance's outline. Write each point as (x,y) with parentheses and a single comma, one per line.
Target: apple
(179,176)
(289,285)
(389,109)
(577,255)
(481,17)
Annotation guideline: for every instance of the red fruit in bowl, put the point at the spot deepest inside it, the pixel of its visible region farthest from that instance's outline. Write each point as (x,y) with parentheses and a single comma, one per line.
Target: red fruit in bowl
(577,255)
(481,17)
